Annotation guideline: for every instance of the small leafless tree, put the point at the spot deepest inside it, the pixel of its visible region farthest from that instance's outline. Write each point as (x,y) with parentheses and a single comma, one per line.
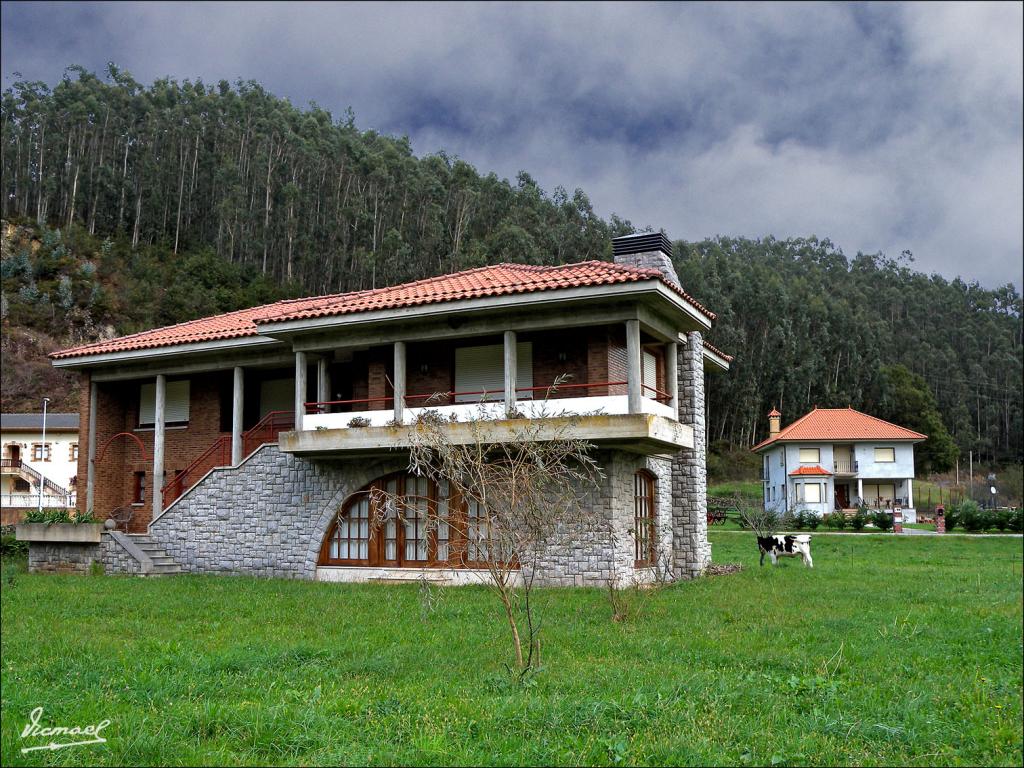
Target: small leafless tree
(755,516)
(522,488)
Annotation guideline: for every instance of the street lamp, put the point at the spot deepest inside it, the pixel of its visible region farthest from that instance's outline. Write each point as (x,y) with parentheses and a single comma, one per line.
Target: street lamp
(42,477)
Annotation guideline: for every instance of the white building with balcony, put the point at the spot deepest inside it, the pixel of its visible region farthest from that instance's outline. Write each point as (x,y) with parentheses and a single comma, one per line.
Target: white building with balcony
(838,459)
(30,460)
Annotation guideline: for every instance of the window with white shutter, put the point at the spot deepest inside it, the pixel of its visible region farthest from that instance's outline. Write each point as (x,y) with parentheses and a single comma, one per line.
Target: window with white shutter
(279,395)
(650,375)
(481,370)
(176,401)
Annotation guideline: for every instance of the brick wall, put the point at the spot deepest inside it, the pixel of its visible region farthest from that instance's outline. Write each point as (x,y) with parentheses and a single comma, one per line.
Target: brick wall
(117,406)
(548,346)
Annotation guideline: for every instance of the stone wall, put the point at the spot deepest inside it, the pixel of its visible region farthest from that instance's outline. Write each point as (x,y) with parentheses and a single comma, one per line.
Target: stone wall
(78,558)
(62,558)
(691,549)
(599,545)
(268,516)
(116,559)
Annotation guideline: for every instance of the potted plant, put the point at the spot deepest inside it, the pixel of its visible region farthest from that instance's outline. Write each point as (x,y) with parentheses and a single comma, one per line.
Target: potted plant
(59,526)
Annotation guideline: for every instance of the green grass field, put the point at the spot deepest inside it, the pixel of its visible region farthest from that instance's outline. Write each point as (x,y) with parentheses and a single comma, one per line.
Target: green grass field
(897,651)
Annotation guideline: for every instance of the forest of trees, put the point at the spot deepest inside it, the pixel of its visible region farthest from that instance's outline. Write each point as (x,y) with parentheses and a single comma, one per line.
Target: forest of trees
(138,206)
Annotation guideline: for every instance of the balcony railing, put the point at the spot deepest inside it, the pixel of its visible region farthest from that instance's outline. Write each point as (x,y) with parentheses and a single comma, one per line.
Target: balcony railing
(31,500)
(541,402)
(846,467)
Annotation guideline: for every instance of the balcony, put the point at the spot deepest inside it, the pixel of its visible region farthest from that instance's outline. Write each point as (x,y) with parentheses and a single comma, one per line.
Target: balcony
(842,467)
(571,400)
(601,419)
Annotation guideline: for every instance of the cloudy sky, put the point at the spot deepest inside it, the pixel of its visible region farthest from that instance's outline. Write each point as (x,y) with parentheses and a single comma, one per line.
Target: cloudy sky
(883,127)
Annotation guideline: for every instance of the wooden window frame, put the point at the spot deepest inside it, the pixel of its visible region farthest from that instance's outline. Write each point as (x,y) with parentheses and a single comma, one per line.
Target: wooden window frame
(644,519)
(73,452)
(457,525)
(45,451)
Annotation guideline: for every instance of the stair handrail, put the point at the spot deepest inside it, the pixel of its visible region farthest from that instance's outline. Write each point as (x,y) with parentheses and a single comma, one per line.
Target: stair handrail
(35,474)
(176,486)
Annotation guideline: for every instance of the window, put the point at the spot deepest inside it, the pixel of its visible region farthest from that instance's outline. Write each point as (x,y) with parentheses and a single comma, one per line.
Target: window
(430,531)
(812,493)
(885,455)
(176,400)
(74,452)
(810,455)
(41,451)
(482,369)
(643,518)
(139,489)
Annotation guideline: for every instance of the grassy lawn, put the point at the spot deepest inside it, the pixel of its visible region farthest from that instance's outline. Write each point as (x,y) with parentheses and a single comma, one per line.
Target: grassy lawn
(898,651)
(752,488)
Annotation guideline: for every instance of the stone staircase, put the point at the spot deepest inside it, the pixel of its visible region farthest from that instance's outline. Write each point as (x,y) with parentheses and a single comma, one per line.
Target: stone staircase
(162,563)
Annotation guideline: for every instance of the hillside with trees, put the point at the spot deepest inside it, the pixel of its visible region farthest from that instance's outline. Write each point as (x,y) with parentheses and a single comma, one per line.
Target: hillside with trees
(129,206)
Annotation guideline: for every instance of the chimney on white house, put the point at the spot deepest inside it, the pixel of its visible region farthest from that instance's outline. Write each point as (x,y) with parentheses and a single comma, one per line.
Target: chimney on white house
(647,250)
(774,422)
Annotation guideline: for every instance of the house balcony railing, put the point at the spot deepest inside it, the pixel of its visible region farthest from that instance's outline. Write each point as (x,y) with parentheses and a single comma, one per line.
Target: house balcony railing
(31,500)
(532,402)
(845,467)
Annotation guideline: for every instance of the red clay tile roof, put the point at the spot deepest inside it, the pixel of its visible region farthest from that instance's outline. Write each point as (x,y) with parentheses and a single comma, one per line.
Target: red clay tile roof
(840,424)
(815,470)
(719,352)
(773,412)
(496,280)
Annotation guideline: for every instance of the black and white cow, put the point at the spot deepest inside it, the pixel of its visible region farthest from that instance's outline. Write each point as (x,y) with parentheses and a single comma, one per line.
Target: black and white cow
(785,546)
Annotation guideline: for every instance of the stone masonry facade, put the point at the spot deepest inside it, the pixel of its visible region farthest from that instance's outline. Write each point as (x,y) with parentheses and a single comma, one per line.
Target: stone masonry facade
(79,558)
(269,515)
(691,549)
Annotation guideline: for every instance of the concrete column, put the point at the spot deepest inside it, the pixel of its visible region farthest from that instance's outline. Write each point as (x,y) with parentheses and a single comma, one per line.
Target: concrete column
(158,445)
(672,375)
(300,388)
(90,468)
(399,382)
(237,406)
(633,375)
(910,493)
(860,491)
(323,380)
(511,368)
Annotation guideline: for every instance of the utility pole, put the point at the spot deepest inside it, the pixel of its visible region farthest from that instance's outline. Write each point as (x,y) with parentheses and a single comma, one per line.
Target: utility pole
(970,472)
(42,477)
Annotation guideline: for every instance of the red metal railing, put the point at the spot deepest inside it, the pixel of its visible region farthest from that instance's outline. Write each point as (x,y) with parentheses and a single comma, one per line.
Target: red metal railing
(217,455)
(266,430)
(483,395)
(314,407)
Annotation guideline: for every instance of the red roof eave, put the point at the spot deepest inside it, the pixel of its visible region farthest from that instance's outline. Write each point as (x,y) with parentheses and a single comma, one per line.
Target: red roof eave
(492,281)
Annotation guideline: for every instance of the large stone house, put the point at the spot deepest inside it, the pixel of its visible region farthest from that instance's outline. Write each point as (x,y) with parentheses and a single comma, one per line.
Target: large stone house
(236,442)
(837,459)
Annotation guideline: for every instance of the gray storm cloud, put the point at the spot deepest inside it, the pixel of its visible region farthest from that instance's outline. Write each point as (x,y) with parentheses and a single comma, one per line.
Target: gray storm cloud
(883,127)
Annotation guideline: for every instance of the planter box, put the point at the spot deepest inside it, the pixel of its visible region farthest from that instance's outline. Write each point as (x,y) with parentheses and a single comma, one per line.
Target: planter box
(67,533)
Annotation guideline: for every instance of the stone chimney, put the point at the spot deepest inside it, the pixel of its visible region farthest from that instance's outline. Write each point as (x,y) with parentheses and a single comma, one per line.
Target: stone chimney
(647,250)
(774,422)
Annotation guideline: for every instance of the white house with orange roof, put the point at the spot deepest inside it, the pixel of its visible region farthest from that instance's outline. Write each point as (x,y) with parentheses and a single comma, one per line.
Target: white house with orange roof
(838,459)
